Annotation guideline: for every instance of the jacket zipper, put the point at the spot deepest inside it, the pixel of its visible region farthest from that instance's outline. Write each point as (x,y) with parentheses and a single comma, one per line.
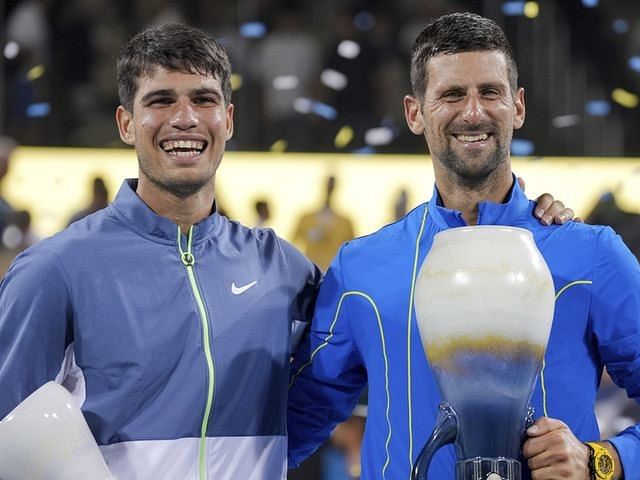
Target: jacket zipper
(188,260)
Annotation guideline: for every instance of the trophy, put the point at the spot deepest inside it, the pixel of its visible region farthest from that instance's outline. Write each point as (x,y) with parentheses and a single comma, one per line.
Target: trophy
(47,438)
(484,301)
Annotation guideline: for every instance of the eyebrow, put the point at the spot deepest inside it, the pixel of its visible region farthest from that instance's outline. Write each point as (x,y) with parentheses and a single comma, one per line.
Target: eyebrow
(499,85)
(206,91)
(158,93)
(172,93)
(464,88)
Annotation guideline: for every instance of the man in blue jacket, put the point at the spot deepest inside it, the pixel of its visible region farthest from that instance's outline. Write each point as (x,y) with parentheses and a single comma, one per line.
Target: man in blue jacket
(169,324)
(466,103)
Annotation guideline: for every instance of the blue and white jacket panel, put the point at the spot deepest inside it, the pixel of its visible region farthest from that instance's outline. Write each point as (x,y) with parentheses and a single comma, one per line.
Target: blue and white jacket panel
(364,331)
(107,308)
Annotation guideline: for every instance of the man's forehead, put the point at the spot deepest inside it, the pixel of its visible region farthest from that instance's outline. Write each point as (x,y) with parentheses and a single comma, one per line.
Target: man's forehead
(159,73)
(473,67)
(177,80)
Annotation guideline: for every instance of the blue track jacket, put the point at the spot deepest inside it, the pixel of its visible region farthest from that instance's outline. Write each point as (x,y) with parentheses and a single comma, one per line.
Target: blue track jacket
(365,331)
(176,347)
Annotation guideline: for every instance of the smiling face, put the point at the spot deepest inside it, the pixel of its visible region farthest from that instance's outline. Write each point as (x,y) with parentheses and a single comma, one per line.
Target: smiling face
(179,127)
(468,115)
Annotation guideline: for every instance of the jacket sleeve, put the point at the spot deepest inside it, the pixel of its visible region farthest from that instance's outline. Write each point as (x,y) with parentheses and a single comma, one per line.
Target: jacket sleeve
(327,374)
(35,325)
(615,317)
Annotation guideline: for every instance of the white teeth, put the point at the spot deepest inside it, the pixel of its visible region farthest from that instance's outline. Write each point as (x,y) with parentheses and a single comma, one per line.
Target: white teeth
(472,138)
(195,146)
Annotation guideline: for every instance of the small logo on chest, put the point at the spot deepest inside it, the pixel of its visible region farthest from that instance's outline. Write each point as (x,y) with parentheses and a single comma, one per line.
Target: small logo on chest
(240,290)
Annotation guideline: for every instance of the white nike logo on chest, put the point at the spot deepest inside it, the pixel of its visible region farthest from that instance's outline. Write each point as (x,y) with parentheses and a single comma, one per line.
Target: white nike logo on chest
(238,290)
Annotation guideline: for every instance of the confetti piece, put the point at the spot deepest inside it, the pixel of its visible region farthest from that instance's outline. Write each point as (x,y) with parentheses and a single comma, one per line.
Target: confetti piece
(624,98)
(278,146)
(378,136)
(513,9)
(35,73)
(333,79)
(348,49)
(598,108)
(521,147)
(531,9)
(344,137)
(11,50)
(285,82)
(236,81)
(564,121)
(38,110)
(253,30)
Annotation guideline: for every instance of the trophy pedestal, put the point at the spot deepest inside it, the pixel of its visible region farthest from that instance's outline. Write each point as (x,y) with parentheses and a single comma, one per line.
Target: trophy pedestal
(486,468)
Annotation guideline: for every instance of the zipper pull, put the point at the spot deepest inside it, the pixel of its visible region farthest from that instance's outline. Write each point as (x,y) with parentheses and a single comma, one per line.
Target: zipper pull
(188,260)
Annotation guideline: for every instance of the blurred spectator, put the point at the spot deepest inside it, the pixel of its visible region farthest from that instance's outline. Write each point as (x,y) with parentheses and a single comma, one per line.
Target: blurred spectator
(73,93)
(159,12)
(288,65)
(347,437)
(614,410)
(626,224)
(18,235)
(400,206)
(28,72)
(28,26)
(99,200)
(349,74)
(107,31)
(7,212)
(262,213)
(320,233)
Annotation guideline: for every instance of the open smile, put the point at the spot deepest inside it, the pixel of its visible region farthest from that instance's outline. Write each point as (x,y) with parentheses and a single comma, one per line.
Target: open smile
(183,148)
(472,138)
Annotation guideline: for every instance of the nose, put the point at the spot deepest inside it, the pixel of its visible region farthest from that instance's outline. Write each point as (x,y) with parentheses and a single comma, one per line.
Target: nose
(473,111)
(184,116)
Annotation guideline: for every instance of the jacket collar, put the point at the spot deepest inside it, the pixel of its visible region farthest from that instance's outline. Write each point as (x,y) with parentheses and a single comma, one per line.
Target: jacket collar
(489,213)
(144,220)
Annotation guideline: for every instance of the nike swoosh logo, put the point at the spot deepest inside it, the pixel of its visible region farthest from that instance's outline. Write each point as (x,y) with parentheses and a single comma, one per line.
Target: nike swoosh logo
(238,290)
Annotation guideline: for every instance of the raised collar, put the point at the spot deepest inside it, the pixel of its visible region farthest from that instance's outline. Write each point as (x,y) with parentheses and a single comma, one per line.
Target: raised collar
(489,213)
(145,221)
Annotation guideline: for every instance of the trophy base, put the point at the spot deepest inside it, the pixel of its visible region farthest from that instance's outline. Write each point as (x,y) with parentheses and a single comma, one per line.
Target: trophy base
(486,468)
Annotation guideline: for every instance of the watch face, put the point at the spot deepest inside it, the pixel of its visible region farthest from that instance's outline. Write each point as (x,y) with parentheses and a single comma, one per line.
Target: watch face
(604,464)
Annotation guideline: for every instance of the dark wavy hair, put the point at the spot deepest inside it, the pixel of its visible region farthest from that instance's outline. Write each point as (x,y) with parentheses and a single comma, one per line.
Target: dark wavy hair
(177,48)
(456,33)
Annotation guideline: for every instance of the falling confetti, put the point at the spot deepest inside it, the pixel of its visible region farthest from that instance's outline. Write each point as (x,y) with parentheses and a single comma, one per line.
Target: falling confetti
(279,146)
(624,98)
(344,137)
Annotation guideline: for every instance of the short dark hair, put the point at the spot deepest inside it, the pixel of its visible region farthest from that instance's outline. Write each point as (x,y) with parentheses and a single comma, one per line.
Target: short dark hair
(177,48)
(456,33)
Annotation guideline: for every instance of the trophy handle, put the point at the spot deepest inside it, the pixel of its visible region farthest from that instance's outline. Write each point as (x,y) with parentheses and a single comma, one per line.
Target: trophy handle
(445,432)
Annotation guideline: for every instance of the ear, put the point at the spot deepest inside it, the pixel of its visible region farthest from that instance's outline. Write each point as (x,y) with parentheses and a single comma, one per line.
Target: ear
(229,114)
(413,115)
(124,119)
(519,107)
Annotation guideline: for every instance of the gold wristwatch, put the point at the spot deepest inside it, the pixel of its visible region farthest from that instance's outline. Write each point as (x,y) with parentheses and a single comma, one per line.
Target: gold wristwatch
(601,464)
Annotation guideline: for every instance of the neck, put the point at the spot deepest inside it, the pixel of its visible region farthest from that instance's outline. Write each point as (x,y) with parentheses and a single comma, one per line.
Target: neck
(458,195)
(183,211)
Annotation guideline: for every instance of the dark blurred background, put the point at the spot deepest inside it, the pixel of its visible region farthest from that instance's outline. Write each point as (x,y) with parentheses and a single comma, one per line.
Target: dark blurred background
(325,76)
